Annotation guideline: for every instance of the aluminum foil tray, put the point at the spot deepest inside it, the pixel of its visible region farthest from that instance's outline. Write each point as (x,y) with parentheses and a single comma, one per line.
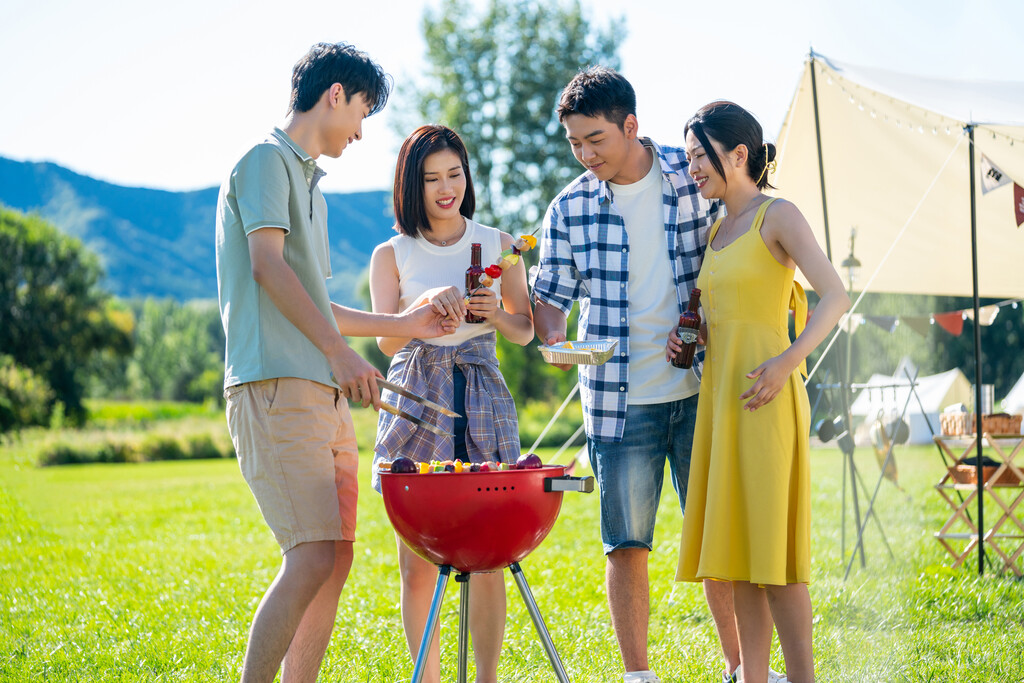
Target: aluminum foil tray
(591,352)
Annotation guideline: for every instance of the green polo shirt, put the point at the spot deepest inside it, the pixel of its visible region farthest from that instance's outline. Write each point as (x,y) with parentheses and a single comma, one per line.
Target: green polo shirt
(274,185)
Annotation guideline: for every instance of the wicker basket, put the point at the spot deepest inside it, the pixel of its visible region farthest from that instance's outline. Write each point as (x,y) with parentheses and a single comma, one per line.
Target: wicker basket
(968,474)
(959,424)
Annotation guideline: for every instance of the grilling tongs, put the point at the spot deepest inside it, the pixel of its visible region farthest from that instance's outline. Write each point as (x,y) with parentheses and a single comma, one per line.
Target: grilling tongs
(401,391)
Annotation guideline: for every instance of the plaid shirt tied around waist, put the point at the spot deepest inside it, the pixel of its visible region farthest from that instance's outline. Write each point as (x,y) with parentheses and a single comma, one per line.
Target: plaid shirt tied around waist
(584,256)
(425,369)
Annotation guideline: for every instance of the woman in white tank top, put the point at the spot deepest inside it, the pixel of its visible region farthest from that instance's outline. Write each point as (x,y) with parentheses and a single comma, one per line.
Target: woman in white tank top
(427,262)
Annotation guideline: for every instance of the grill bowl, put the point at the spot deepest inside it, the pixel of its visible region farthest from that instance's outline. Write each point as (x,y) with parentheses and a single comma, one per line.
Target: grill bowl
(472,521)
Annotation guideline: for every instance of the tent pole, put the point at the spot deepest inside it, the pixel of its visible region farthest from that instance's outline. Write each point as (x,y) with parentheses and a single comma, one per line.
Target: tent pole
(845,385)
(821,163)
(977,363)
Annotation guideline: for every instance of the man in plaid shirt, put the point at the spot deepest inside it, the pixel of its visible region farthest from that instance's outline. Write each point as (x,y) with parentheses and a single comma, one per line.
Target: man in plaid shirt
(626,239)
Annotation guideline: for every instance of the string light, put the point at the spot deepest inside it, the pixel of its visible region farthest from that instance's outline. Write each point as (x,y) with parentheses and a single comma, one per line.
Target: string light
(860,96)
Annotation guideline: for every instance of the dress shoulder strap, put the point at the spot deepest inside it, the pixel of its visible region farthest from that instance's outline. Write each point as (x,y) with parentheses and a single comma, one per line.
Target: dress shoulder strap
(761,211)
(714,228)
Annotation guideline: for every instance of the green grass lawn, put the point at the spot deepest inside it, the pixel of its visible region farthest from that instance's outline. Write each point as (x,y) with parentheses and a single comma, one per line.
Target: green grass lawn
(151,572)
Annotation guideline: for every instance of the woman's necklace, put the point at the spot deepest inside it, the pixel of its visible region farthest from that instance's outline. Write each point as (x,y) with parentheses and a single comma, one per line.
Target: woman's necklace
(456,238)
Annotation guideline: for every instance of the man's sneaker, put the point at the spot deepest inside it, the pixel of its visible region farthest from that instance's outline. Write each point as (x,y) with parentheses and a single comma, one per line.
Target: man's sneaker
(640,677)
(737,676)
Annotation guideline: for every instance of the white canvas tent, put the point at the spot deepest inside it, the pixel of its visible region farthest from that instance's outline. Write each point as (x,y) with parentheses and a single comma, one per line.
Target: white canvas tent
(1014,401)
(899,158)
(935,391)
(895,154)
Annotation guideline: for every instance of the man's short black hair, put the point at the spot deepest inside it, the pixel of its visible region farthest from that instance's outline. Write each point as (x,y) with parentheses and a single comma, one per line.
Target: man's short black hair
(328,63)
(598,91)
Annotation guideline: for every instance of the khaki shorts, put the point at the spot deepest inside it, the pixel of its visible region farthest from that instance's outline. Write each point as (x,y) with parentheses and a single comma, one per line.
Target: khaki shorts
(296,448)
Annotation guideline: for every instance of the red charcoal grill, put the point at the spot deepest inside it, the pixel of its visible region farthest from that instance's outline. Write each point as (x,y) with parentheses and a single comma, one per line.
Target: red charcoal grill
(477,522)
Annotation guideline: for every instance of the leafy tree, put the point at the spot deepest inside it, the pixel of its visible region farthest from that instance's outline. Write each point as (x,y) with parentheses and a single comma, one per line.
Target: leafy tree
(178,354)
(24,397)
(53,314)
(494,76)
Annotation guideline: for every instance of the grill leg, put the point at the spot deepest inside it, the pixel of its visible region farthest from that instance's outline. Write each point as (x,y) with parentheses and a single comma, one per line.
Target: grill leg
(538,622)
(463,624)
(432,617)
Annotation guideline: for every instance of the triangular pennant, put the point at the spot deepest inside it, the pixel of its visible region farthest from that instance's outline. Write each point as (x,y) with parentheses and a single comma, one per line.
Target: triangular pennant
(886,322)
(986,314)
(951,322)
(1018,203)
(991,176)
(919,324)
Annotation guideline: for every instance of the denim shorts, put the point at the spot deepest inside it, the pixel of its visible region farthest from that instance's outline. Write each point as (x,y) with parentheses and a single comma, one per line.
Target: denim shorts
(460,424)
(630,473)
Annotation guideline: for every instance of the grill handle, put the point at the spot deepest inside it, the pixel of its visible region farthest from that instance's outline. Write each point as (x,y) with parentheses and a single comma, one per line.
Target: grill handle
(568,483)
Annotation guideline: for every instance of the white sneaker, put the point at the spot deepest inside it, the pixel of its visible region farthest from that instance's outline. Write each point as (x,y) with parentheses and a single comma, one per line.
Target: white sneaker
(640,677)
(737,676)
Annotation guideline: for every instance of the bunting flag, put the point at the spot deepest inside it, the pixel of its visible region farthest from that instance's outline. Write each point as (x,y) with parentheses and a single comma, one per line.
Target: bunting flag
(991,176)
(951,322)
(986,314)
(886,322)
(918,323)
(1018,203)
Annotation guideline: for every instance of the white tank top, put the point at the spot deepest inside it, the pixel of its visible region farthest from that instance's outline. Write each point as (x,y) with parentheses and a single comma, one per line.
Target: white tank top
(423,266)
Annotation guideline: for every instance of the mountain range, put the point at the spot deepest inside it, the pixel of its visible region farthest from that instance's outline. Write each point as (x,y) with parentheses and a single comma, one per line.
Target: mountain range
(157,243)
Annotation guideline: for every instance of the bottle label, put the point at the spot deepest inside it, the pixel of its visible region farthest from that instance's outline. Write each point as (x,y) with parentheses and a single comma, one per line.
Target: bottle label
(687,335)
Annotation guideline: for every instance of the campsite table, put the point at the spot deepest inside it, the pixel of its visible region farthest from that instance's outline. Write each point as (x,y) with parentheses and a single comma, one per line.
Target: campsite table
(1004,484)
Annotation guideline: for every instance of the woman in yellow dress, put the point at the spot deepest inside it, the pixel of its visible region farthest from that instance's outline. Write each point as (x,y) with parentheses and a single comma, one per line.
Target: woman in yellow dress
(747,515)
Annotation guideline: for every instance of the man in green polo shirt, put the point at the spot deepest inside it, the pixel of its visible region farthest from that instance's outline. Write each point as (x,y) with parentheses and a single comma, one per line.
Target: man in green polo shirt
(288,372)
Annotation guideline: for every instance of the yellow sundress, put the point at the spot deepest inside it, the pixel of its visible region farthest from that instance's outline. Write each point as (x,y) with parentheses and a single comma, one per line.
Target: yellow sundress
(748,501)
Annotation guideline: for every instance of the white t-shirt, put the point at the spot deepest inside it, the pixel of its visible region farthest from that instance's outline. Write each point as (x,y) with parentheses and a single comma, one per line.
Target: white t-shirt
(423,266)
(653,308)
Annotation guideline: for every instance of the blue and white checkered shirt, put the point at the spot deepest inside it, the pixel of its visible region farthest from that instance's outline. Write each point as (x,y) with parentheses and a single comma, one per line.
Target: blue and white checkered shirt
(584,256)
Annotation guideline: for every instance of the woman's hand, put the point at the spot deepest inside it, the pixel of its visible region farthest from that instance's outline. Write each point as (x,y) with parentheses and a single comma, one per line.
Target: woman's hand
(448,302)
(771,376)
(483,303)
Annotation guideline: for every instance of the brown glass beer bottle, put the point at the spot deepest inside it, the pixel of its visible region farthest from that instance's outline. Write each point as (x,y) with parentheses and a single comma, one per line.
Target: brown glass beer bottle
(473,274)
(689,323)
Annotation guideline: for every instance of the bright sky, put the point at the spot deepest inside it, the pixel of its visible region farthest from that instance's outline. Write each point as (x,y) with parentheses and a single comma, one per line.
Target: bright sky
(169,95)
